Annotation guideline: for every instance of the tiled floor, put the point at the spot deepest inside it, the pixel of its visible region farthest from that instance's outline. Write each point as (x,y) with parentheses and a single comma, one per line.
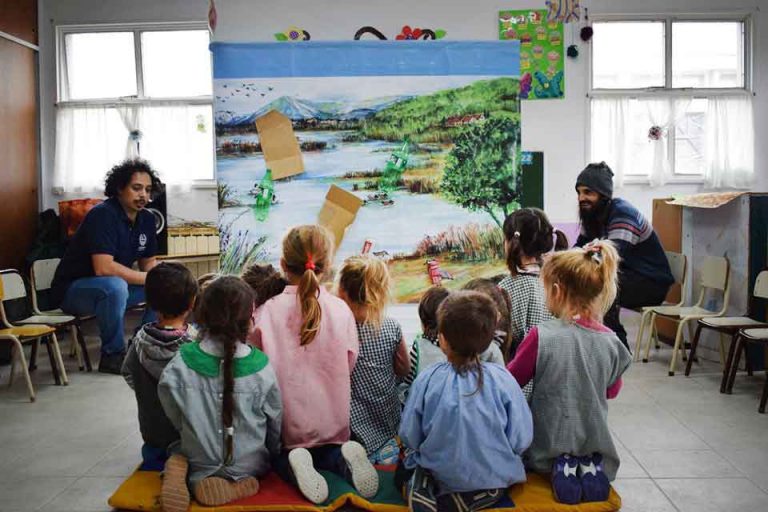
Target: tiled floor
(684,447)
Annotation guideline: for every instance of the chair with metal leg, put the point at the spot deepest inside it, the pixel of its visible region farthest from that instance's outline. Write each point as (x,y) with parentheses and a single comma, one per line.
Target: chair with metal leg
(730,326)
(678,264)
(715,276)
(743,338)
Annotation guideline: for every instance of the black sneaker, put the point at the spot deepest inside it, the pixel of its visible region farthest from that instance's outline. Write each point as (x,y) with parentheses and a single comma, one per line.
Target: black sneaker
(111,363)
(421,492)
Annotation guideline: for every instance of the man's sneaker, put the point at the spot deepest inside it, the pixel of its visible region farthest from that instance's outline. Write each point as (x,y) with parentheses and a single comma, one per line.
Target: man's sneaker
(111,363)
(363,474)
(311,483)
(421,492)
(565,482)
(594,484)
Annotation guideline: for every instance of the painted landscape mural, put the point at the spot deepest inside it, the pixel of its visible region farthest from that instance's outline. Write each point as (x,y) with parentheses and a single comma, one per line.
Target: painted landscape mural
(436,160)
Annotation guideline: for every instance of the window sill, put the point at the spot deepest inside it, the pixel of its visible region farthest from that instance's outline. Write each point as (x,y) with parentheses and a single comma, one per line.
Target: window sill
(676,180)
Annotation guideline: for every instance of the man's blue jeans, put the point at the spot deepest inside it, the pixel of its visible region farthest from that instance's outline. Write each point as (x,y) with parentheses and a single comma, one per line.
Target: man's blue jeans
(107,298)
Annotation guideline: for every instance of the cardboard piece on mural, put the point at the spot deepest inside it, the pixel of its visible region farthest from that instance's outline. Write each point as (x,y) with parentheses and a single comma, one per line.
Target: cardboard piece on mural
(281,149)
(338,212)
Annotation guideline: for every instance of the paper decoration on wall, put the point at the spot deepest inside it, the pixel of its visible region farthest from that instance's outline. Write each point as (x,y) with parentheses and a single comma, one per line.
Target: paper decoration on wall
(338,212)
(406,34)
(532,165)
(541,52)
(212,16)
(293,34)
(282,153)
(564,11)
(448,187)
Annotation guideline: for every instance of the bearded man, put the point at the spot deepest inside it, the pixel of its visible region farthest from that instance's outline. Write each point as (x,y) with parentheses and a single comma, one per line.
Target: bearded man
(644,273)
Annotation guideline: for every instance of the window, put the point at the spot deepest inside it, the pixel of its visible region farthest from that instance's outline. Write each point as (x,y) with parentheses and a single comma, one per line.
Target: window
(663,92)
(134,90)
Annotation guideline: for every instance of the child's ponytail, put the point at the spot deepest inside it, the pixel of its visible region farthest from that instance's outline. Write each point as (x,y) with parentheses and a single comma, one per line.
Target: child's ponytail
(306,255)
(604,255)
(561,241)
(224,314)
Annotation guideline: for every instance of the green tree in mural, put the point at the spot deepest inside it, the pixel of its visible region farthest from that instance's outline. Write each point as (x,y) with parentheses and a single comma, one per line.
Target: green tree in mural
(482,171)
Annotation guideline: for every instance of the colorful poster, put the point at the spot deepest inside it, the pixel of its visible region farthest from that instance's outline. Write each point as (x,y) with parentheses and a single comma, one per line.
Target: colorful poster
(542,72)
(426,136)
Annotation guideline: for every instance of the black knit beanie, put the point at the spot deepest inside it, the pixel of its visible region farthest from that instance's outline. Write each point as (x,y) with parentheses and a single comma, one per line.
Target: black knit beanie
(597,177)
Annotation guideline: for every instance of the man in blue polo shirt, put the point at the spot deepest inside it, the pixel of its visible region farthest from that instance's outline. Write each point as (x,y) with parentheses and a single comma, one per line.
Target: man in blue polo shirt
(95,275)
(644,273)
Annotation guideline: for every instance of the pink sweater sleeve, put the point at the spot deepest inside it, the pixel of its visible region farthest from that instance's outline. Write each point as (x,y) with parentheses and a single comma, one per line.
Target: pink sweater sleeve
(523,366)
(613,389)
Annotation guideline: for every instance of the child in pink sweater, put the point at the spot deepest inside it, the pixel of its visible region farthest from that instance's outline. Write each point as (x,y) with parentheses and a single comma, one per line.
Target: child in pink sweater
(311,339)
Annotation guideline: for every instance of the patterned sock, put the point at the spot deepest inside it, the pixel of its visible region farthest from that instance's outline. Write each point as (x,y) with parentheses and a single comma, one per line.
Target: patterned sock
(213,491)
(594,484)
(565,484)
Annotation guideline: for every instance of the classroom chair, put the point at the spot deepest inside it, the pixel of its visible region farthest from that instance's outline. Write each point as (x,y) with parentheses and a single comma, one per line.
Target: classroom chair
(730,326)
(678,263)
(16,298)
(41,278)
(19,335)
(745,337)
(715,274)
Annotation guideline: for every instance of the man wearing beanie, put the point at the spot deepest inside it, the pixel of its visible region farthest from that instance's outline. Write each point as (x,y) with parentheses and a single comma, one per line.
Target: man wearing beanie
(644,273)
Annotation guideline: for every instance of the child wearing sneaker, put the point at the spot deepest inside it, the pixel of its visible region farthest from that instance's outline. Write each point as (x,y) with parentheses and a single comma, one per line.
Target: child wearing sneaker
(527,236)
(222,396)
(466,423)
(364,284)
(576,364)
(311,339)
(170,291)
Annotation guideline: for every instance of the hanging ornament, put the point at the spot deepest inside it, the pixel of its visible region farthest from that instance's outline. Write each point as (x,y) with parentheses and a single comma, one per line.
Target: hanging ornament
(655,133)
(212,16)
(564,11)
(572,51)
(586,32)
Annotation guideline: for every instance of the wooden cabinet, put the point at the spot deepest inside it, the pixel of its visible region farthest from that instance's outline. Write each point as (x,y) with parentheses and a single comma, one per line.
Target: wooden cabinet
(18,132)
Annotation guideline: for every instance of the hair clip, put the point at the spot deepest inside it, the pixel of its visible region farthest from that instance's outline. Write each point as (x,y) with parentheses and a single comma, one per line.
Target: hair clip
(517,234)
(594,251)
(230,431)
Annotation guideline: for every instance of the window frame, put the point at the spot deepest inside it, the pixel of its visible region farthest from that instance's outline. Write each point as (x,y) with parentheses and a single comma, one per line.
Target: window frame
(746,18)
(137,28)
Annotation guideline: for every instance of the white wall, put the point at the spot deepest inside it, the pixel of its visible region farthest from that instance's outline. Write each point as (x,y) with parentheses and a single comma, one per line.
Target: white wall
(558,127)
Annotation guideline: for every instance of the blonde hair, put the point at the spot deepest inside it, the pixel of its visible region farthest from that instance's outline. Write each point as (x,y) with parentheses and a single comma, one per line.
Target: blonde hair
(366,282)
(586,278)
(307,255)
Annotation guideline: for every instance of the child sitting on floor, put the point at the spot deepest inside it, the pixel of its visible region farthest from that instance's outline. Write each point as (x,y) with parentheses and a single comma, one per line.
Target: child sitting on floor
(576,363)
(170,291)
(425,350)
(527,236)
(364,284)
(501,338)
(310,337)
(466,422)
(222,396)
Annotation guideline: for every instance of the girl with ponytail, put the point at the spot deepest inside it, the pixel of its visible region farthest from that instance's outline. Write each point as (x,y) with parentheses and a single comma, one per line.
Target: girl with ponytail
(311,339)
(528,235)
(220,455)
(576,365)
(364,284)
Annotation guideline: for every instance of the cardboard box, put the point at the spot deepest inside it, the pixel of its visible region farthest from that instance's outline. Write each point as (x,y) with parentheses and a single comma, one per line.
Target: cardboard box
(282,153)
(338,212)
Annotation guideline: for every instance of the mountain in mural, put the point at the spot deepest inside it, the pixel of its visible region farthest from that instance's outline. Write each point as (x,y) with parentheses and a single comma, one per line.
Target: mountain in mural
(298,109)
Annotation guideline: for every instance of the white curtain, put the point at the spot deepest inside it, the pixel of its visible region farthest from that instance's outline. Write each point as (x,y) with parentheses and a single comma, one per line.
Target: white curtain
(663,113)
(177,141)
(730,142)
(611,135)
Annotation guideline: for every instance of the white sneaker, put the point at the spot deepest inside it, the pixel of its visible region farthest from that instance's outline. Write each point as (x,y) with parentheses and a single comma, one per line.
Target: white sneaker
(364,475)
(311,483)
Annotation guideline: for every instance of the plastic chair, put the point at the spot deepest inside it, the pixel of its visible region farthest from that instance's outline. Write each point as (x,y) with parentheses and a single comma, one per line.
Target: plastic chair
(678,264)
(730,325)
(19,335)
(15,289)
(715,275)
(746,336)
(41,278)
